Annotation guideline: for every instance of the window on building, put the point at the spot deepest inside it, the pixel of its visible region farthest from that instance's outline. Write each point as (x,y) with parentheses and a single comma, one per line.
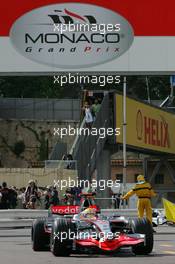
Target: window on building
(119,177)
(159,179)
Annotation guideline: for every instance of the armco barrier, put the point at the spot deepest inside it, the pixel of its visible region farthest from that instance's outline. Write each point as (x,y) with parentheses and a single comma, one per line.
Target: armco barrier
(15,223)
(32,214)
(22,214)
(23,218)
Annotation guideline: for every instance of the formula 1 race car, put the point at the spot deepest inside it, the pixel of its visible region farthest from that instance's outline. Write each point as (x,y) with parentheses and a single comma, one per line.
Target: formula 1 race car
(158,218)
(65,232)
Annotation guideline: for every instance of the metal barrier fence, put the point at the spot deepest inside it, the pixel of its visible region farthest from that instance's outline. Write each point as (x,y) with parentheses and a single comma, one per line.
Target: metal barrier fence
(61,164)
(39,109)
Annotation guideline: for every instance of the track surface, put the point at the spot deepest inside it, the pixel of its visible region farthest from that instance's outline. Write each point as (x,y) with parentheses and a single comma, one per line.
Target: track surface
(15,248)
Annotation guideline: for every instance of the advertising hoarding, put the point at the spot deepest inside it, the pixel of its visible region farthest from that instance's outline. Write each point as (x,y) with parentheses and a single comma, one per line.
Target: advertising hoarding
(147,128)
(143,43)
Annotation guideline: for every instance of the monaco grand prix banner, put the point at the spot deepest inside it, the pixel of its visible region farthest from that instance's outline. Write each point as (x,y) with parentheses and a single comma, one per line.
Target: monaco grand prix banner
(118,35)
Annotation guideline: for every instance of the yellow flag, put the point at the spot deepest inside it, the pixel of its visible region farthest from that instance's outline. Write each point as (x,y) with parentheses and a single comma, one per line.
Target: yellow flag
(169,210)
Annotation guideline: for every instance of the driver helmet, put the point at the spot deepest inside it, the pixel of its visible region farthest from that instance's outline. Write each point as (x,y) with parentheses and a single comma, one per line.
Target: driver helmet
(89,213)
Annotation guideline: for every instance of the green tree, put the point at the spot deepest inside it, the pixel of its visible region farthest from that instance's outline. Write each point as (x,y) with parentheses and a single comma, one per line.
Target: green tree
(44,87)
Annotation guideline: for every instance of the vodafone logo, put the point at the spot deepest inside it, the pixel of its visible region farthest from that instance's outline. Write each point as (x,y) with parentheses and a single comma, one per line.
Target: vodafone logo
(152,131)
(36,35)
(65,209)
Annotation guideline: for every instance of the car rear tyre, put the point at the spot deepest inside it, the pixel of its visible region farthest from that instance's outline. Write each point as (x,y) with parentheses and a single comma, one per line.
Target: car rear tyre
(143,226)
(62,237)
(40,239)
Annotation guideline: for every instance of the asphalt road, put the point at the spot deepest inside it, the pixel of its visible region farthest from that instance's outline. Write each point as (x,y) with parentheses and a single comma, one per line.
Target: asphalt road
(15,248)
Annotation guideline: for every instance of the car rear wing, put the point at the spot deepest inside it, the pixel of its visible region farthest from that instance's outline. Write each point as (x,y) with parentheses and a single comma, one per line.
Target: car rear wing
(69,209)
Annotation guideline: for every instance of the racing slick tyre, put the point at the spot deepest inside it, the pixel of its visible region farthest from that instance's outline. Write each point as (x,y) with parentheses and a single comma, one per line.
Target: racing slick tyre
(61,241)
(40,239)
(143,226)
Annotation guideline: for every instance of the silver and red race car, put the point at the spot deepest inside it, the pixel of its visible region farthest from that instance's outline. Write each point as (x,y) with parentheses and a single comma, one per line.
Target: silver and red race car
(65,232)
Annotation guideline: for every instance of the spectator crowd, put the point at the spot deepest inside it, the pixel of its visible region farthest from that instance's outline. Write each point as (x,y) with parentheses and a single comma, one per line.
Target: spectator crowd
(90,111)
(32,196)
